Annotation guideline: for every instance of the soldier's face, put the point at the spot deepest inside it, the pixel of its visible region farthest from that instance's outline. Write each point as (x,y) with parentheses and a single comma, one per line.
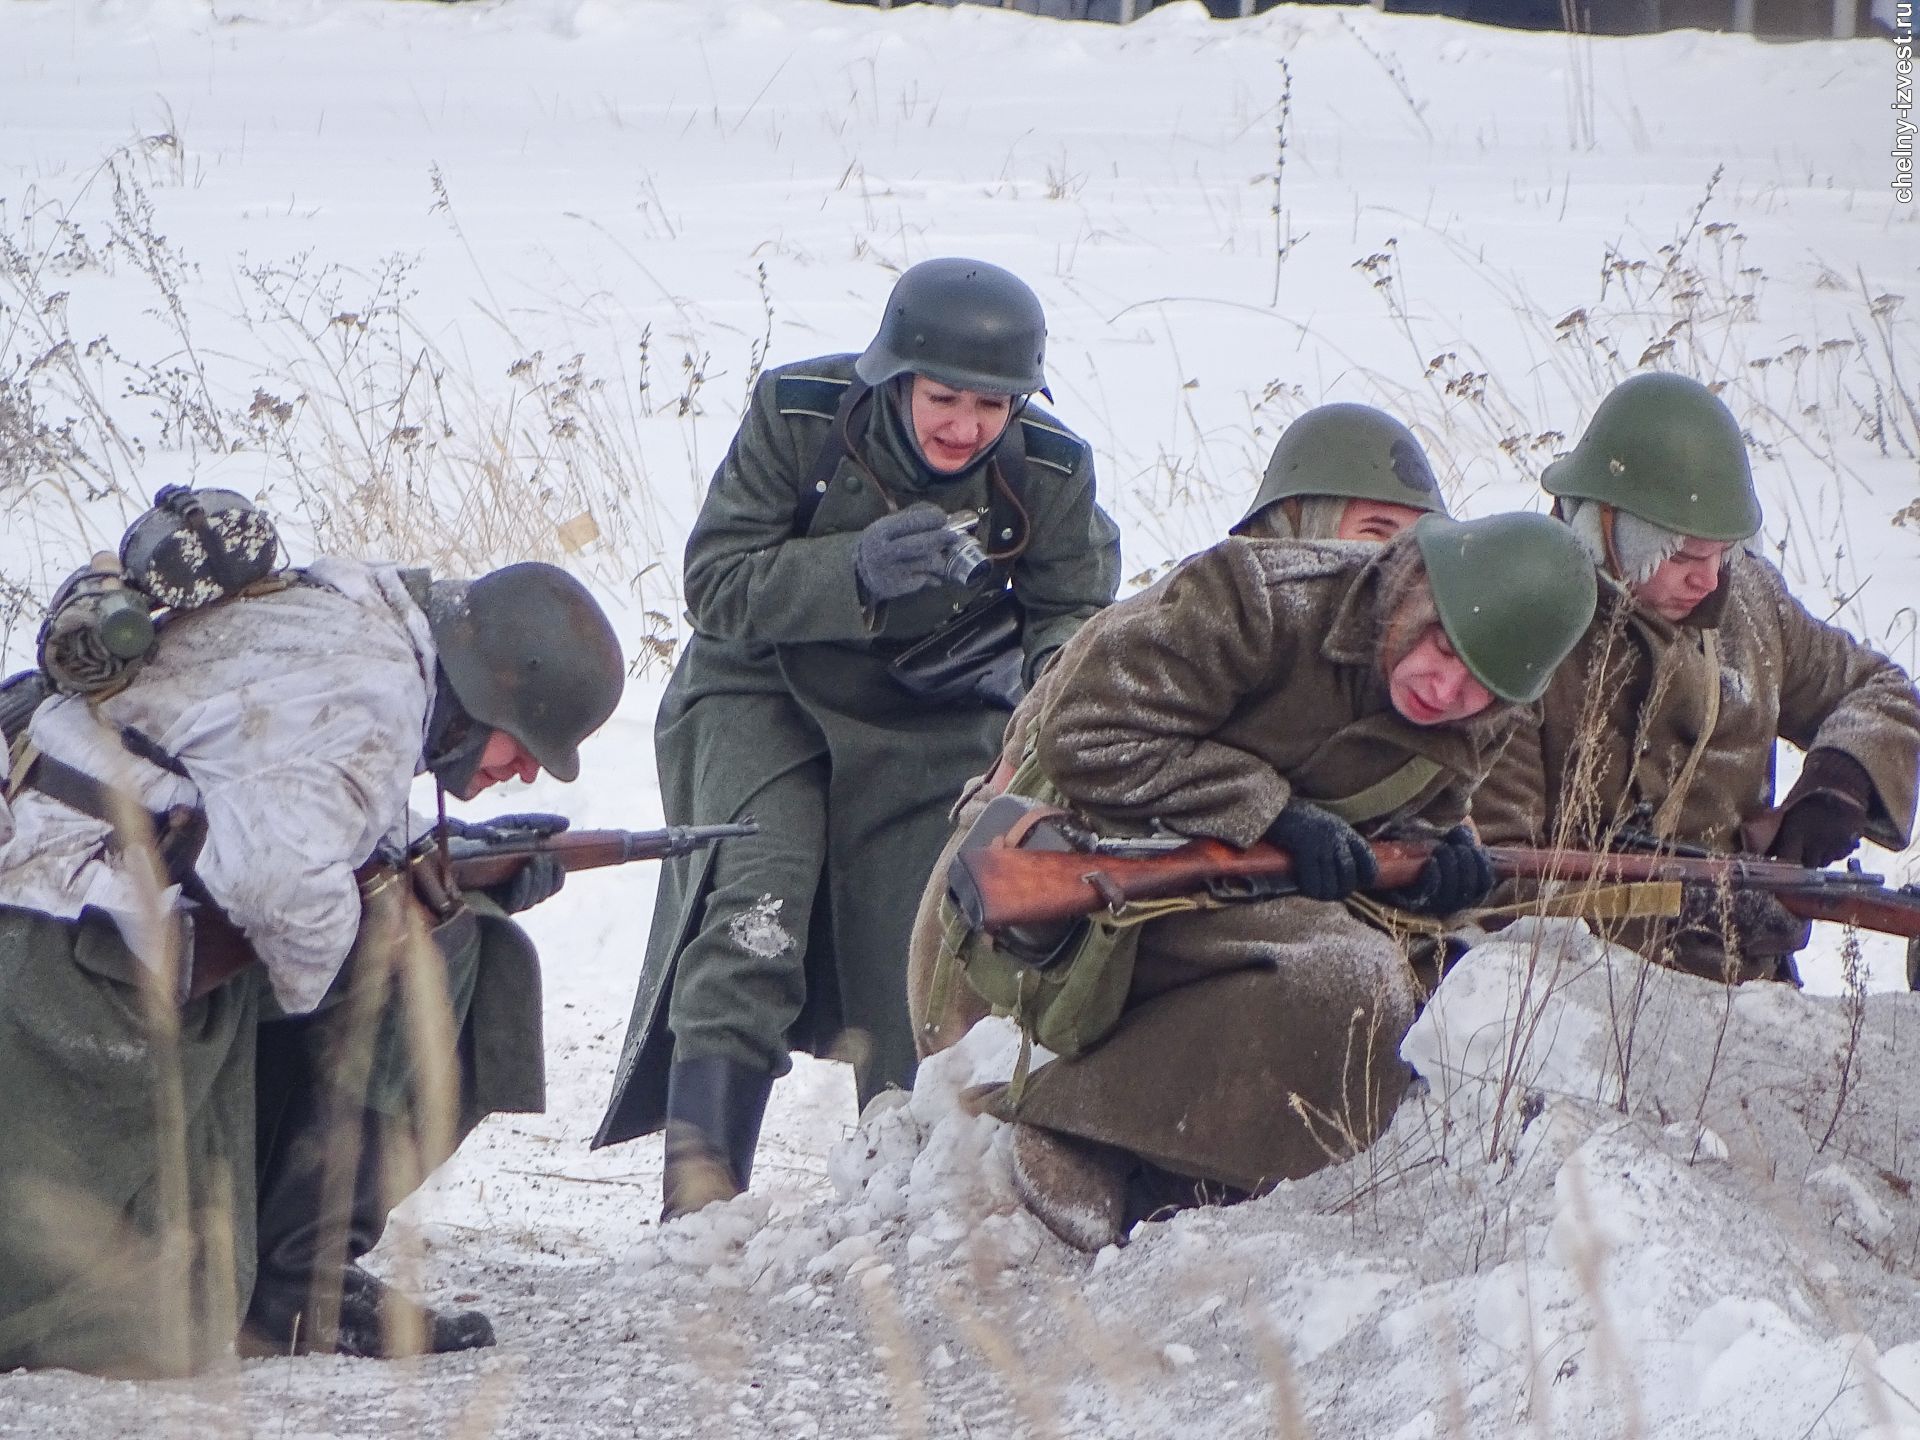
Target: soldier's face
(504,758)
(955,427)
(1432,685)
(1375,520)
(1684,579)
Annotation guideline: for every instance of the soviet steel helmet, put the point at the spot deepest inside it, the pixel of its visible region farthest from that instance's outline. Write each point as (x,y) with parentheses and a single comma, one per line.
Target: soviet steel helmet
(527,650)
(1352,451)
(1515,593)
(1664,448)
(964,323)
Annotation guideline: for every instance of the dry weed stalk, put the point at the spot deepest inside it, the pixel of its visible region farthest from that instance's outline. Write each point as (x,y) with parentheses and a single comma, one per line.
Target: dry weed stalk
(894,1346)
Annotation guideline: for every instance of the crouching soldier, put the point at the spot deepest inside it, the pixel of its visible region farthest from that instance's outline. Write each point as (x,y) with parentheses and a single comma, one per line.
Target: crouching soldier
(191,896)
(1338,472)
(1661,727)
(1315,696)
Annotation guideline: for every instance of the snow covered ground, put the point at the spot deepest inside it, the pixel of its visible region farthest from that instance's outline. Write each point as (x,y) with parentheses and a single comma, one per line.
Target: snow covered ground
(470,282)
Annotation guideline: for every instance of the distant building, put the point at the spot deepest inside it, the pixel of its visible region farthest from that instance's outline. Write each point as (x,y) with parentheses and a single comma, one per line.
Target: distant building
(1783,19)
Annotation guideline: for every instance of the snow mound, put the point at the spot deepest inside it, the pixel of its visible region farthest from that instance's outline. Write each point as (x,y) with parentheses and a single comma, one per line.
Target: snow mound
(922,1181)
(1621,1200)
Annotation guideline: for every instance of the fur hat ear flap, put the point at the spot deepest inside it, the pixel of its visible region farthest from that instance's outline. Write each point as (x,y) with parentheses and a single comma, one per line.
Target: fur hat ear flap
(1320,516)
(1621,543)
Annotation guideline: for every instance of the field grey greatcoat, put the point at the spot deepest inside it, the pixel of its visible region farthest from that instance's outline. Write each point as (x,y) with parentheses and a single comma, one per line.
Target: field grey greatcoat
(1261,1040)
(783,690)
(1616,727)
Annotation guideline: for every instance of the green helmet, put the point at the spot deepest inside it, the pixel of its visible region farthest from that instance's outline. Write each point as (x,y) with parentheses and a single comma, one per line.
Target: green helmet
(527,650)
(1664,448)
(1348,450)
(964,323)
(1515,593)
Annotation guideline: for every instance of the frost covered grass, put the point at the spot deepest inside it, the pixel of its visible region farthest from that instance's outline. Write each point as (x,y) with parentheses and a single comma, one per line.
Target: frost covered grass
(445,280)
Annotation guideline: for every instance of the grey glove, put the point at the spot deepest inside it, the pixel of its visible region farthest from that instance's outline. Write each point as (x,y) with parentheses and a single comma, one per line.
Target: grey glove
(903,552)
(540,878)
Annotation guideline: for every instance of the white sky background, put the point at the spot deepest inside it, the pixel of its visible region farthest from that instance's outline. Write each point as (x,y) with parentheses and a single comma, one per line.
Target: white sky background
(608,172)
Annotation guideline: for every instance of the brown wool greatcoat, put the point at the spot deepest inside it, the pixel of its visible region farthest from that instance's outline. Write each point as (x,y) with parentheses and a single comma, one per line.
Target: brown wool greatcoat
(1627,708)
(1260,1040)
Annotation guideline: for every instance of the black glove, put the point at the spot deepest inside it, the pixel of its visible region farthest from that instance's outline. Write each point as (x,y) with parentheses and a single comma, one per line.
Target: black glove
(1458,876)
(904,552)
(1825,814)
(1330,860)
(540,878)
(1750,926)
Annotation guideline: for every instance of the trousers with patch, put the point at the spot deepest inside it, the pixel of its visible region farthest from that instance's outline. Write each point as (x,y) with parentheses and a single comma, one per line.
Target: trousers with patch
(740,981)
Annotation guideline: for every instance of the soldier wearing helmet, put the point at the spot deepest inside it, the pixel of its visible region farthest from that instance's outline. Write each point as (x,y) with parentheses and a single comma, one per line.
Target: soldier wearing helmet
(1339,472)
(1343,472)
(894,545)
(1661,728)
(281,727)
(1313,694)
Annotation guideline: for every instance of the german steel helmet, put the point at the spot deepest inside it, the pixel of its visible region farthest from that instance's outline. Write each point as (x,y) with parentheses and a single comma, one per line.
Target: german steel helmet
(964,323)
(529,651)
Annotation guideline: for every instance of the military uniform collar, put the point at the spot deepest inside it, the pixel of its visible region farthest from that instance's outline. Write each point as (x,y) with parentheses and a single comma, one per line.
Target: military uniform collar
(1353,638)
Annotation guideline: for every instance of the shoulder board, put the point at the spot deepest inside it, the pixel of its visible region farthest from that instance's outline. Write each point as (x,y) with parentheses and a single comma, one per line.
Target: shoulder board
(1049,444)
(808,395)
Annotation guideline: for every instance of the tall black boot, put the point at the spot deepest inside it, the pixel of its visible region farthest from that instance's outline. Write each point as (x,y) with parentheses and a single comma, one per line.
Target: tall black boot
(310,1294)
(714,1109)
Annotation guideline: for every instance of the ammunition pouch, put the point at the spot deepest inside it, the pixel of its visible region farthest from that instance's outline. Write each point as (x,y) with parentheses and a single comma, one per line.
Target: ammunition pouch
(1064,985)
(963,658)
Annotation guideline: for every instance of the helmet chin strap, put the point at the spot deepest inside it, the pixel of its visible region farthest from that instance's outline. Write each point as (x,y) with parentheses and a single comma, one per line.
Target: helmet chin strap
(455,742)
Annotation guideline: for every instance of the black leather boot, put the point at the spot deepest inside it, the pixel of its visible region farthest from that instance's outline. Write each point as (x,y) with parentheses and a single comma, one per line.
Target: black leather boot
(714,1109)
(310,1295)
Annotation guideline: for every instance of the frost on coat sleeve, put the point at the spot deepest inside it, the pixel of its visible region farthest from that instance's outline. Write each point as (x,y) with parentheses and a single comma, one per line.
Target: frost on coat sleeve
(1837,694)
(748,577)
(1147,688)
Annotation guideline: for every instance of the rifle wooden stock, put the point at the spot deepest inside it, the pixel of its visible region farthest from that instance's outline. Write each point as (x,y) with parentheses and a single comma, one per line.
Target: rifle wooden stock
(996,886)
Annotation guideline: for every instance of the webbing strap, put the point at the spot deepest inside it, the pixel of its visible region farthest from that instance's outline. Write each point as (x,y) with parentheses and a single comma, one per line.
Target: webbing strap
(826,460)
(1668,815)
(1386,795)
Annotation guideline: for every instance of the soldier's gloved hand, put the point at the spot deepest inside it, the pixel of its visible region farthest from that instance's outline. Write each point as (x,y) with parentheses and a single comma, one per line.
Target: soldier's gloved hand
(1825,814)
(1330,860)
(903,552)
(1458,876)
(531,824)
(540,878)
(1750,927)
